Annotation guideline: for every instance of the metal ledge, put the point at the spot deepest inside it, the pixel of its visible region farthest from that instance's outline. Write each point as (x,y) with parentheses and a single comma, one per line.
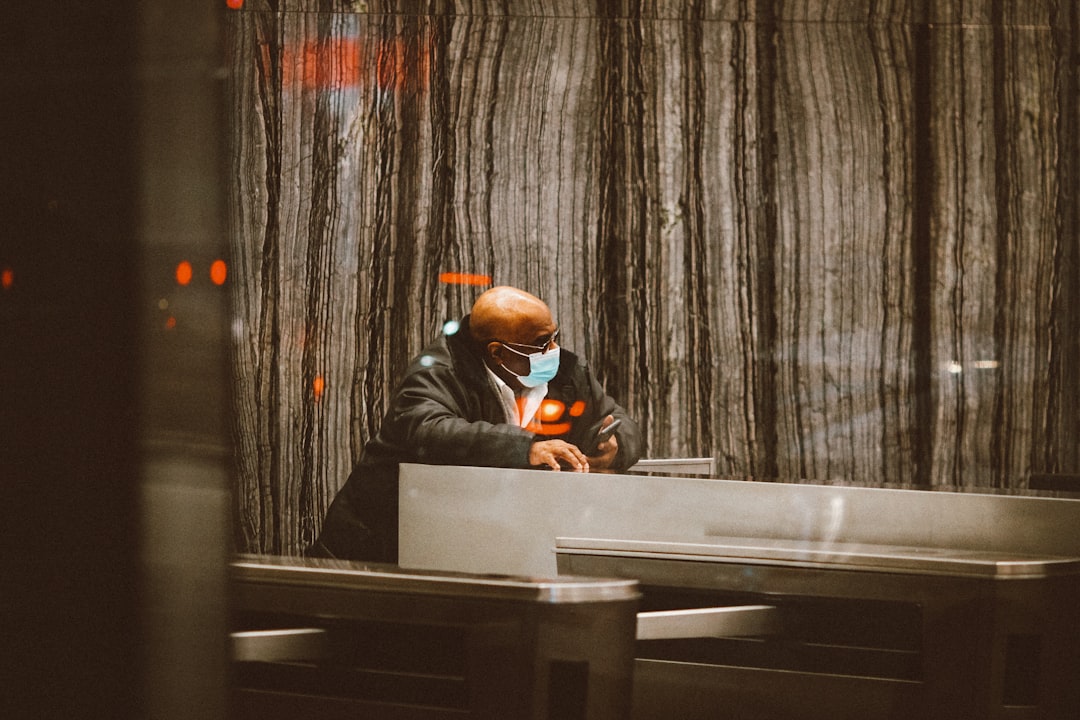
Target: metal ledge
(717,622)
(373,577)
(286,645)
(832,555)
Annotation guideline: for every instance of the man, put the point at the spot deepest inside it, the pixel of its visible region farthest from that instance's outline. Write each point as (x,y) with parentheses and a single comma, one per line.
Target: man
(498,392)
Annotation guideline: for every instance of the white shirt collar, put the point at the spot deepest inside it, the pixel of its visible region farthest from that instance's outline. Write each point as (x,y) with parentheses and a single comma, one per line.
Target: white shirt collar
(520,408)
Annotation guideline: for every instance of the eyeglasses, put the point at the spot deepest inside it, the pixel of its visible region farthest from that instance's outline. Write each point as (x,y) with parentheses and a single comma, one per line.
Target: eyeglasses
(548,343)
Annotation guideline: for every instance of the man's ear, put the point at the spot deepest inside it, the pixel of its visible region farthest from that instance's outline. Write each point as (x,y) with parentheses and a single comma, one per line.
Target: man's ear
(495,351)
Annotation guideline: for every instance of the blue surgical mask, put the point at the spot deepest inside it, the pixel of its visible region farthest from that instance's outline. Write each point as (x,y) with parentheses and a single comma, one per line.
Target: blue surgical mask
(542,367)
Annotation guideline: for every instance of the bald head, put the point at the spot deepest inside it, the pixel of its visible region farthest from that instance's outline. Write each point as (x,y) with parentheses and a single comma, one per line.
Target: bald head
(508,314)
(504,317)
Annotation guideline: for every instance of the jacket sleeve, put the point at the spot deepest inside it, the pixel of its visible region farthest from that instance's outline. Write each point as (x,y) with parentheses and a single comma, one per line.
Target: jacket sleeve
(434,418)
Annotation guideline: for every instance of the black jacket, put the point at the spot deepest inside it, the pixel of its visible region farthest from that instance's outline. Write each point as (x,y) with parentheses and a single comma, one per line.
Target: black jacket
(445,412)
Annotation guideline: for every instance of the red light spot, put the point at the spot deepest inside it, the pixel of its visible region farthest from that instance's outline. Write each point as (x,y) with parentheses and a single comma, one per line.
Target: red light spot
(318,385)
(453,278)
(351,62)
(218,272)
(551,410)
(234,4)
(577,409)
(183,273)
(335,63)
(7,278)
(170,323)
(549,428)
(545,420)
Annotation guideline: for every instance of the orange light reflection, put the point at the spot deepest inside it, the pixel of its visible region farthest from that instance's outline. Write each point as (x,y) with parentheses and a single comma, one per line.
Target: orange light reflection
(546,420)
(454,278)
(549,428)
(183,273)
(218,272)
(347,62)
(551,410)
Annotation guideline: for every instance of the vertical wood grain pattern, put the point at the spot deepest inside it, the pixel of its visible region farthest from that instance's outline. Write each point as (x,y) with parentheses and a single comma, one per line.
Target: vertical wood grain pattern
(830,242)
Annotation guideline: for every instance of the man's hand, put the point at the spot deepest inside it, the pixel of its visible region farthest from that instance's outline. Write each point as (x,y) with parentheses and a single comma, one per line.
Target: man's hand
(605,451)
(551,452)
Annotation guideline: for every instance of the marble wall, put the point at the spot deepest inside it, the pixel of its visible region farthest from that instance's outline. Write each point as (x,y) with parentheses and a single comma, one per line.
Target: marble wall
(831,241)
